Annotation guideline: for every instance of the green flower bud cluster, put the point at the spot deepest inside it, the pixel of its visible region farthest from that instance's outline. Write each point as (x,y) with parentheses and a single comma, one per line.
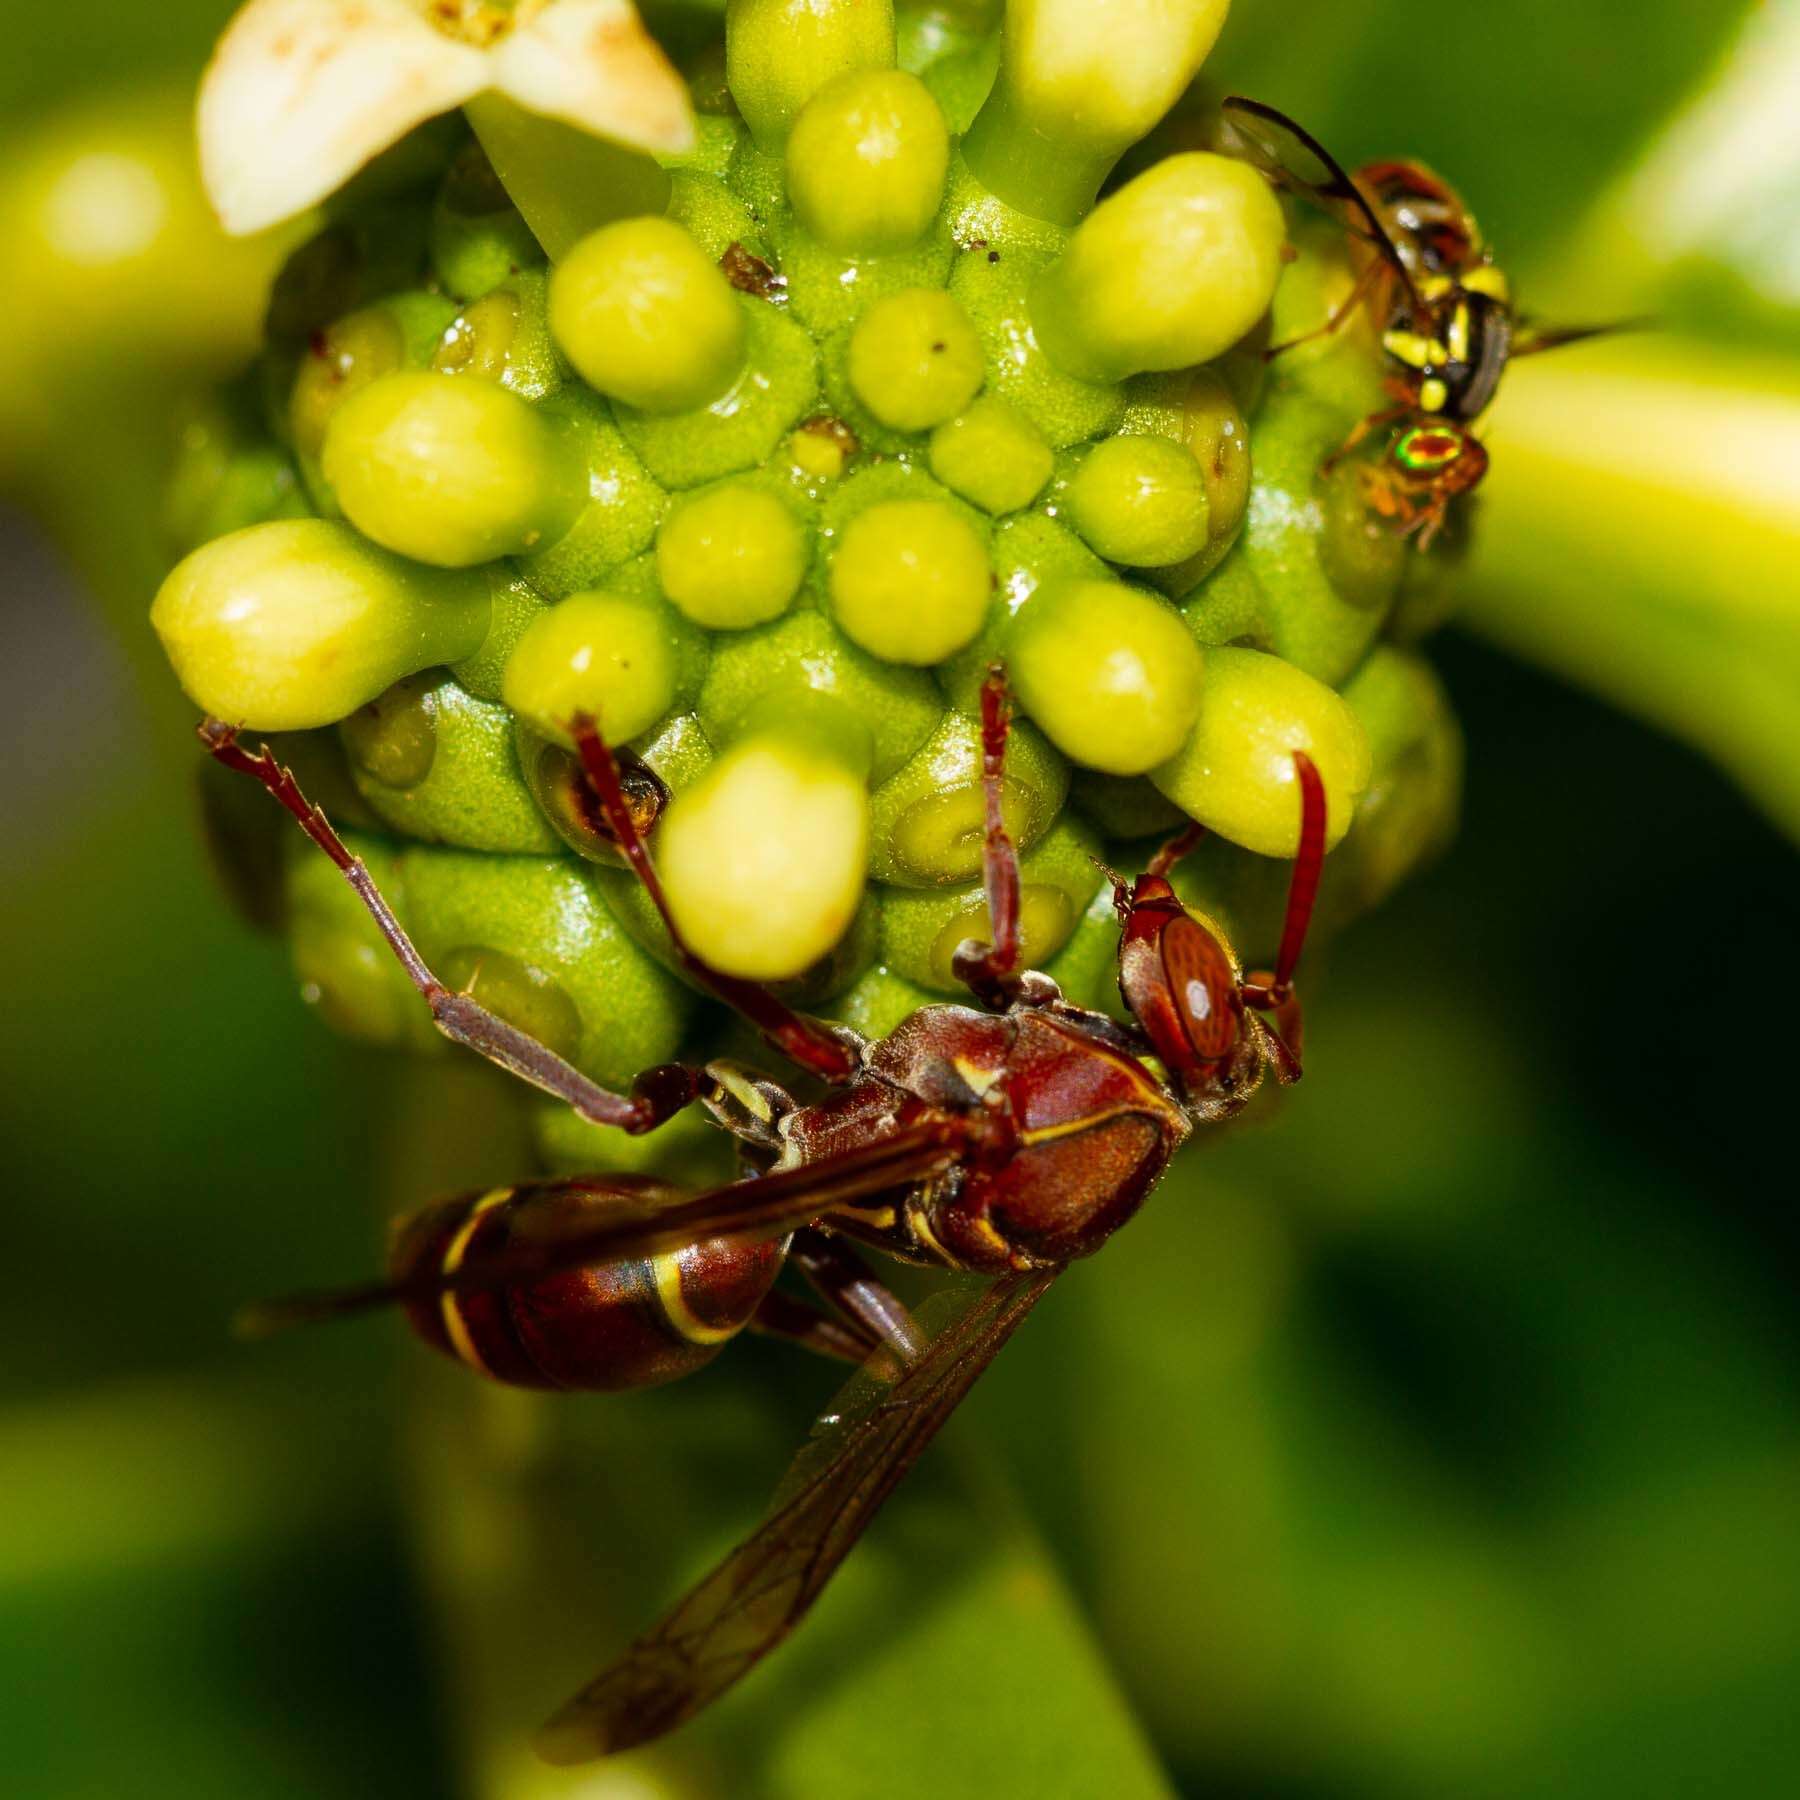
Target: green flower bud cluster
(902,381)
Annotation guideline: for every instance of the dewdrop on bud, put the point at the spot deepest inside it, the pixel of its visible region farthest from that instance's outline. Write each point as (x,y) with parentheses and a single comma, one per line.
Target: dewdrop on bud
(1079,83)
(296,623)
(1170,271)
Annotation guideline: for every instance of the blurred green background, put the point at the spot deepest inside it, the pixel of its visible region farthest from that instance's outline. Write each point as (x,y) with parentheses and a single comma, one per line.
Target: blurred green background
(1433,1433)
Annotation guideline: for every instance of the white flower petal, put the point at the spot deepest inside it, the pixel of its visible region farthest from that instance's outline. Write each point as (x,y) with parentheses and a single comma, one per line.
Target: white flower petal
(592,63)
(301,93)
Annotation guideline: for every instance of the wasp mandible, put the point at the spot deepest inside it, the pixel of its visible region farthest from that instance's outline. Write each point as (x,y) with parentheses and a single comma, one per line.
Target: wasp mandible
(1442,305)
(1007,1139)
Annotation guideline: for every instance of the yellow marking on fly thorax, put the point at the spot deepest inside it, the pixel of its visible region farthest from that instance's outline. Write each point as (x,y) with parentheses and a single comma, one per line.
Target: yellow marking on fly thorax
(1414,349)
(450,1305)
(665,1270)
(1457,337)
(1490,281)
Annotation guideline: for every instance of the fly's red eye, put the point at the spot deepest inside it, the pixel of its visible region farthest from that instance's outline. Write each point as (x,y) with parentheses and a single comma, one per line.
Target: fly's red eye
(1203,985)
(1426,450)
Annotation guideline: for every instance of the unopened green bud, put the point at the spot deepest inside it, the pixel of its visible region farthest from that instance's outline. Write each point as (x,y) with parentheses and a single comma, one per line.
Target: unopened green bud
(344,969)
(779,664)
(920,930)
(402,332)
(546,914)
(739,429)
(779,53)
(1110,673)
(1140,501)
(624,502)
(993,456)
(1078,84)
(878,1002)
(645,315)
(867,161)
(763,858)
(610,656)
(1236,772)
(478,238)
(1211,424)
(518,992)
(915,360)
(1123,807)
(1171,270)
(297,623)
(732,556)
(227,473)
(930,819)
(910,581)
(434,763)
(452,472)
(998,296)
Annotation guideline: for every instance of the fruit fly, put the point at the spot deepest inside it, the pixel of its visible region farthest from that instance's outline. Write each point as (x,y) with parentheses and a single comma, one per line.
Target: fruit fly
(1441,303)
(1007,1139)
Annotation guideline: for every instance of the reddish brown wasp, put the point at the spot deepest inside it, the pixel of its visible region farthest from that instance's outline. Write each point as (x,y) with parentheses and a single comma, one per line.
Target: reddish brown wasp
(1007,1141)
(1441,303)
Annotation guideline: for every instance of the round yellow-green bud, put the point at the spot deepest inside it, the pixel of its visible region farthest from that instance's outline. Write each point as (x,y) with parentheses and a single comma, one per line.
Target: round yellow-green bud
(1111,674)
(779,53)
(731,556)
(1236,773)
(1140,501)
(1171,270)
(915,360)
(764,857)
(645,315)
(607,655)
(866,162)
(910,581)
(993,456)
(452,472)
(296,623)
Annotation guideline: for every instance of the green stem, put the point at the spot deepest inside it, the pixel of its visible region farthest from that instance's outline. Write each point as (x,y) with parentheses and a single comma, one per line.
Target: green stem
(1638,537)
(1039,171)
(563,181)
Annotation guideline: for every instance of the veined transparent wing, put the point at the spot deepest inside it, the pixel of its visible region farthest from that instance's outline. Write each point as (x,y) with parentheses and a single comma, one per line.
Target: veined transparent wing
(873,1432)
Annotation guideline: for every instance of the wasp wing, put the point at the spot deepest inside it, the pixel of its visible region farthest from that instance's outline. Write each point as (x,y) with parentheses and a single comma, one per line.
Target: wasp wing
(874,1432)
(1291,157)
(762,1206)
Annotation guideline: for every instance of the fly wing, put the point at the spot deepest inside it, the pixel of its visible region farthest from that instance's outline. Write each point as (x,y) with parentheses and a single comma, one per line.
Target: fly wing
(863,1445)
(1531,338)
(1291,157)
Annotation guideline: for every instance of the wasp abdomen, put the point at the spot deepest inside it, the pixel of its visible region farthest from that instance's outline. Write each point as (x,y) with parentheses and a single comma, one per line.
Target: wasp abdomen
(618,1325)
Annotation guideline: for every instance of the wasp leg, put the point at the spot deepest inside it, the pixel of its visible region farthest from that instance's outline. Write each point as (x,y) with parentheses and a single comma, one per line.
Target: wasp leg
(831,1054)
(842,1279)
(795,1322)
(991,971)
(656,1095)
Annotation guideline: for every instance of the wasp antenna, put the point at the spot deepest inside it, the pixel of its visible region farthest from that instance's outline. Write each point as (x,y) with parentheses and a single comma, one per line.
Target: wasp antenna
(1304,888)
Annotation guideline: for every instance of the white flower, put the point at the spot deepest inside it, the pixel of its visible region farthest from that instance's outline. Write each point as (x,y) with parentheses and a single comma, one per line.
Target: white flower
(301,93)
